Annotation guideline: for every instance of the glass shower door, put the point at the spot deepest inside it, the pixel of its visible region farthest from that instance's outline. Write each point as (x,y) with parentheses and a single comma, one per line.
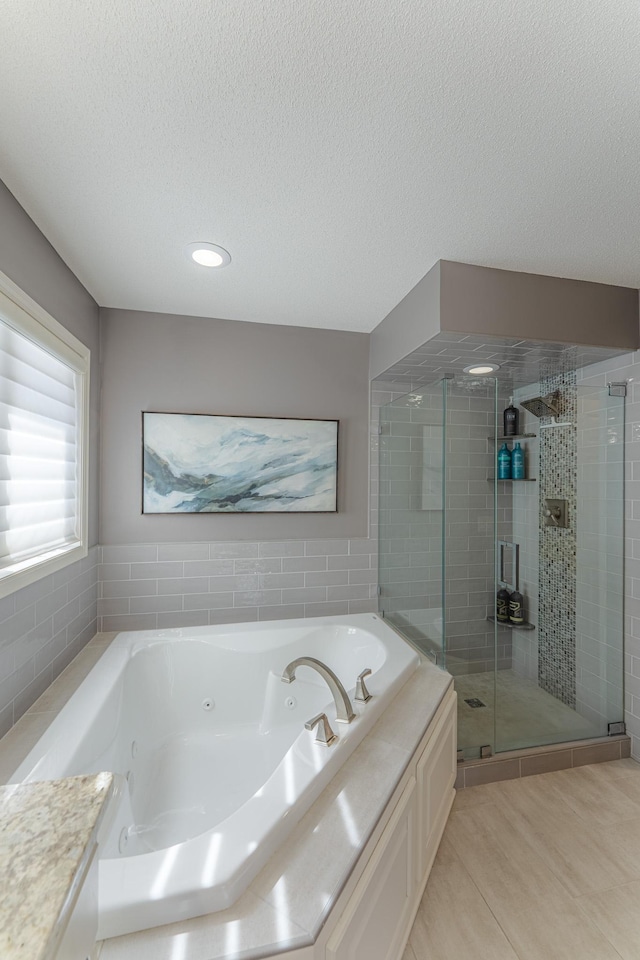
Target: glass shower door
(410,518)
(566,678)
(471,527)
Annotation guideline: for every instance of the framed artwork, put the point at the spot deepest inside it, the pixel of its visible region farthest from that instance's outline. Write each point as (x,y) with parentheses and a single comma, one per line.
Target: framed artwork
(199,463)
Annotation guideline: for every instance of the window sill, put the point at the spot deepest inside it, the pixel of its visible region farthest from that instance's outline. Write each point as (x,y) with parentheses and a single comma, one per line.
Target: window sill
(20,575)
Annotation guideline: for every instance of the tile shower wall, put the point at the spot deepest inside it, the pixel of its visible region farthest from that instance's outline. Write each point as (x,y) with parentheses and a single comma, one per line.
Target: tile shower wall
(625,369)
(600,563)
(473,643)
(410,512)
(42,627)
(411,500)
(146,586)
(525,532)
(557,548)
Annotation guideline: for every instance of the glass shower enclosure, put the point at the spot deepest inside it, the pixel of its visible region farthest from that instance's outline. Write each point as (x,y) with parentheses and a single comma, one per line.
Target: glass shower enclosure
(451,535)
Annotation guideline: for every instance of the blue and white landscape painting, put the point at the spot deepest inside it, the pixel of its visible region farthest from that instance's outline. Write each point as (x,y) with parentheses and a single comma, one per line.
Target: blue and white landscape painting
(195,463)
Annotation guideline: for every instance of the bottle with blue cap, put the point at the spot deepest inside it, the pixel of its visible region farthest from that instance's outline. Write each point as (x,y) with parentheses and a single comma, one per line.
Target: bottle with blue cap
(517,463)
(504,463)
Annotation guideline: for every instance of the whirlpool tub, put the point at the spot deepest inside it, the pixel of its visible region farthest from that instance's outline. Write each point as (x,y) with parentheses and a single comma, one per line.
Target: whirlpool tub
(218,764)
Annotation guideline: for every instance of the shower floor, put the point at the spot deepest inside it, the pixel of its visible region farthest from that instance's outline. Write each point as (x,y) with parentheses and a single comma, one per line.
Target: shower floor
(525,715)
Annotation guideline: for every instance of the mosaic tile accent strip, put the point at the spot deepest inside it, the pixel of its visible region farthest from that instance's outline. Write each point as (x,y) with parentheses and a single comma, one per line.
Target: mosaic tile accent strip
(557,547)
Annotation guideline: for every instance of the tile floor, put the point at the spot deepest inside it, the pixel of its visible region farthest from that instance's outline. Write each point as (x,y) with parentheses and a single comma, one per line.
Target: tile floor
(525,715)
(543,868)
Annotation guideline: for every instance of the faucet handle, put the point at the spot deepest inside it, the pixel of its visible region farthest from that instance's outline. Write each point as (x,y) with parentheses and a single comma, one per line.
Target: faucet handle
(324,733)
(362,694)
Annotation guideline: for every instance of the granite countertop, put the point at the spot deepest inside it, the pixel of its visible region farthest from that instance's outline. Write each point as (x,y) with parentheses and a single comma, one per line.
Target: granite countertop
(48,833)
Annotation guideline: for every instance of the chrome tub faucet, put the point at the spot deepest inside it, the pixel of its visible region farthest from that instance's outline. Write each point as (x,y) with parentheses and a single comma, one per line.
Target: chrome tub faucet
(344,709)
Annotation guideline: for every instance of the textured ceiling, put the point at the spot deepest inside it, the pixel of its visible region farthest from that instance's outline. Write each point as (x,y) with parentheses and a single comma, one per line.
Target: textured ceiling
(337,150)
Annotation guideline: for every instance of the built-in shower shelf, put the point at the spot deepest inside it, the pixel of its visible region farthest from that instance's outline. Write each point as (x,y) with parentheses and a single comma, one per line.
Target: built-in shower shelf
(515,436)
(512,626)
(511,480)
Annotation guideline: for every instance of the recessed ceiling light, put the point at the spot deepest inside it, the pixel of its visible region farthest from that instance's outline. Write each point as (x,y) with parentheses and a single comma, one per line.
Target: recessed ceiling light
(208,254)
(482,368)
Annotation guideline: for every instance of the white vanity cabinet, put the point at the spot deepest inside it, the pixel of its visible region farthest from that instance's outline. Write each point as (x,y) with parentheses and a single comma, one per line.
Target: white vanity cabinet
(435,776)
(378,912)
(377,917)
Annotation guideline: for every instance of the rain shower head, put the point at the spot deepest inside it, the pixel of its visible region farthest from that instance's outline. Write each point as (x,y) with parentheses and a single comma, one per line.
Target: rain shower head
(542,406)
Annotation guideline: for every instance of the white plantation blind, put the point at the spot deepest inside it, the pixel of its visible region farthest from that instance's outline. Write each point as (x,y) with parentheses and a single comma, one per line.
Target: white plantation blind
(41,460)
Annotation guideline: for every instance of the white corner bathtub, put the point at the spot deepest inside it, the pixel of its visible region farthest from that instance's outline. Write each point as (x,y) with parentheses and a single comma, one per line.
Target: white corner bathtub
(219,767)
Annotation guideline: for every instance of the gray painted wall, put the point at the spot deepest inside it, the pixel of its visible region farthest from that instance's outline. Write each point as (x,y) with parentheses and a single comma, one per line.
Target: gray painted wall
(464,298)
(508,303)
(43,626)
(162,362)
(411,323)
(27,257)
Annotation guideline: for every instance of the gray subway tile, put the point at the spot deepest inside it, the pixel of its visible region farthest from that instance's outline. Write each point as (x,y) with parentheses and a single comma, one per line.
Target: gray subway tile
(32,691)
(233,615)
(183,551)
(185,618)
(83,628)
(183,585)
(130,553)
(114,571)
(348,563)
(29,644)
(129,588)
(284,612)
(282,548)
(16,626)
(89,598)
(245,581)
(208,568)
(363,606)
(6,719)
(257,598)
(118,606)
(138,621)
(233,550)
(274,581)
(155,604)
(297,564)
(326,547)
(28,595)
(333,608)
(364,576)
(207,601)
(363,546)
(352,592)
(80,584)
(11,685)
(157,570)
(326,578)
(304,595)
(53,602)
(259,565)
(50,651)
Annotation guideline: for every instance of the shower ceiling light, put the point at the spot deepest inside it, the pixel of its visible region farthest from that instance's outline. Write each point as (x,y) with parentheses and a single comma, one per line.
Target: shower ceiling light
(208,254)
(477,369)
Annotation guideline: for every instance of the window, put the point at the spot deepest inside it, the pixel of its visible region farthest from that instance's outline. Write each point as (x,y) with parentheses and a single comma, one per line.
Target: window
(44,397)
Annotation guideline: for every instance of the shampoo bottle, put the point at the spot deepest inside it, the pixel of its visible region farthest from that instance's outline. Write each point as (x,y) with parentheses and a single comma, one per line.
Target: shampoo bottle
(502,605)
(517,463)
(504,463)
(510,420)
(516,607)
